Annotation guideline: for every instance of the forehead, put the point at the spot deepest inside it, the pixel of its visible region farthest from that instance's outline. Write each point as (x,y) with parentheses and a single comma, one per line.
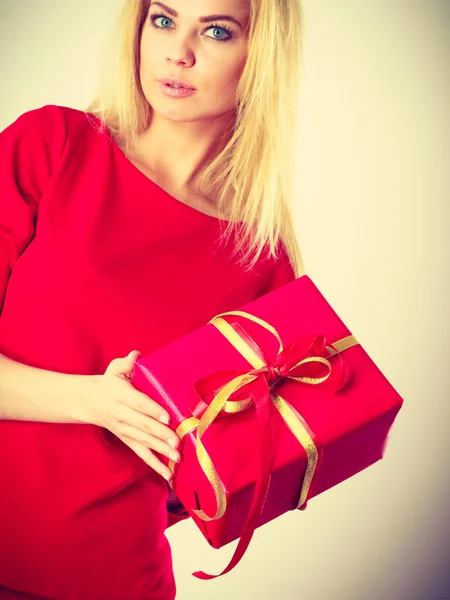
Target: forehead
(194,9)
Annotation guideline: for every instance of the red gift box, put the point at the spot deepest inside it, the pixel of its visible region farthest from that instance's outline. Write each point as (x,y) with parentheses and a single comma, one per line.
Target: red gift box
(275,404)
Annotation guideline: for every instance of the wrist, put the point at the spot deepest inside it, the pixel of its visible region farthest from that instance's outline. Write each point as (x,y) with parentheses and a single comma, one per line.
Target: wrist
(84,388)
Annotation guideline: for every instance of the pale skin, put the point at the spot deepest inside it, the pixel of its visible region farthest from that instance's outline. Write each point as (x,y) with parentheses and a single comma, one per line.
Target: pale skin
(186,132)
(182,135)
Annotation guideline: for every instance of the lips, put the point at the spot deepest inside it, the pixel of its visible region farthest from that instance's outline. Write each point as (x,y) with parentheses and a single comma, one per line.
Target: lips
(180,82)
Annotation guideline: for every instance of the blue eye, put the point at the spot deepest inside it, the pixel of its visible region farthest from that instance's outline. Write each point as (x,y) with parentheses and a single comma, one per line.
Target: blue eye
(215,27)
(155,17)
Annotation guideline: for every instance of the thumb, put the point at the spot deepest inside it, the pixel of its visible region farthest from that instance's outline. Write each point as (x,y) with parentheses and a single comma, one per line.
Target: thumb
(122,366)
(134,355)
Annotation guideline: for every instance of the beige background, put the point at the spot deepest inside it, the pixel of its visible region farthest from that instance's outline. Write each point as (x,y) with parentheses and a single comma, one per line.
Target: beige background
(372,215)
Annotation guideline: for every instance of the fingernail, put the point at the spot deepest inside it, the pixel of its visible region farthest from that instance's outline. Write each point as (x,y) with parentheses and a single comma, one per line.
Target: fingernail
(174,456)
(164,419)
(166,476)
(171,443)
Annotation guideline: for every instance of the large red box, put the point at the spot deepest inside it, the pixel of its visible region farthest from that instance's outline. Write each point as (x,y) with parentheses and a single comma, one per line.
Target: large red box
(350,427)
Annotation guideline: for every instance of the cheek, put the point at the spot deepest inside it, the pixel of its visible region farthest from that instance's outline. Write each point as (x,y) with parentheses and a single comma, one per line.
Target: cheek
(147,56)
(151,50)
(226,77)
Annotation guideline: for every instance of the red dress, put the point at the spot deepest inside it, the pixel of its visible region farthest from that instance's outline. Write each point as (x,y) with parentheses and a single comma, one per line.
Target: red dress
(95,260)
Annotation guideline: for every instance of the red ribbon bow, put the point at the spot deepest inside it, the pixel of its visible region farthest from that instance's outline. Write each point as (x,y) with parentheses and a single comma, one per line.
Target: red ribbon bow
(288,364)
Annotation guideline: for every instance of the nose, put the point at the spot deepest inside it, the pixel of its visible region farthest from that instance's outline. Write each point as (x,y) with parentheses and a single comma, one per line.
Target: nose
(181,53)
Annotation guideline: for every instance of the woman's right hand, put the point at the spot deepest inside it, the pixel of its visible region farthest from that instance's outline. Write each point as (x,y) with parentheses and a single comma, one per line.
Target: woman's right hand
(137,420)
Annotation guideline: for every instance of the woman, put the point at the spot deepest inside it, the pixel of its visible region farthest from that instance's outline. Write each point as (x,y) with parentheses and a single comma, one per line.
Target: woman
(125,227)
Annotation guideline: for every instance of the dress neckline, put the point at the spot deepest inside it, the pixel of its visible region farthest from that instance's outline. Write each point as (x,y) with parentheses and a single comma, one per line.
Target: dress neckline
(191,209)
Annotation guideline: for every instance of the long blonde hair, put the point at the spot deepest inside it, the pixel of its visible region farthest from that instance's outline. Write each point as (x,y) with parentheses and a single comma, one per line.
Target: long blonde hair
(252,179)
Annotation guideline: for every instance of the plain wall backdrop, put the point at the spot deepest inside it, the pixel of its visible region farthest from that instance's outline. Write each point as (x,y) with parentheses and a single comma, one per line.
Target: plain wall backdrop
(372,217)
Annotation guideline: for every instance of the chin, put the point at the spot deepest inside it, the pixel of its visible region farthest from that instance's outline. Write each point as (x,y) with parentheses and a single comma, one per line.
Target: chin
(182,114)
(178,116)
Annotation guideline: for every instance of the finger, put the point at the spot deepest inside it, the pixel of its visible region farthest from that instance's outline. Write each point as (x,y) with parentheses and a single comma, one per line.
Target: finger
(148,457)
(129,396)
(148,425)
(145,405)
(149,441)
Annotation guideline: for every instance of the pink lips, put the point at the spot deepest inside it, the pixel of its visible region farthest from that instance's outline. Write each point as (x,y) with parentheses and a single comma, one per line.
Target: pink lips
(173,92)
(180,82)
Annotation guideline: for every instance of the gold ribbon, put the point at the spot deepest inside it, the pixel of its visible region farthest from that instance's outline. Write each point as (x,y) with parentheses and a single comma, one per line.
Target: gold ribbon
(220,402)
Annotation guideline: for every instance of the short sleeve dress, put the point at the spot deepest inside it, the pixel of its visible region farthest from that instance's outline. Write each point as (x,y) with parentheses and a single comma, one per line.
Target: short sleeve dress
(95,260)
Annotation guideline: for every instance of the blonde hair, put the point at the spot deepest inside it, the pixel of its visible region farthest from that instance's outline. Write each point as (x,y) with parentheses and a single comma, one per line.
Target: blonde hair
(252,179)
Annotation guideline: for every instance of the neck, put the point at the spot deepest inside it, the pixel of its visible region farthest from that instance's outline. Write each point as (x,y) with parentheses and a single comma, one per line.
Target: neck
(179,151)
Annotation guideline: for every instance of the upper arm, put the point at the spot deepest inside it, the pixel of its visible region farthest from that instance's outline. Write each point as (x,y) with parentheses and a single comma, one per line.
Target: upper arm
(30,151)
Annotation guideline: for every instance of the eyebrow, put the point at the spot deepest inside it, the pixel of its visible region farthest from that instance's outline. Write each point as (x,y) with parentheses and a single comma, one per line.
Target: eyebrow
(207,19)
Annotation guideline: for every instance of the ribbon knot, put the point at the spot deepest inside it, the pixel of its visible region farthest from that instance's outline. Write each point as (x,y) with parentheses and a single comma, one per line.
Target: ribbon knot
(271,373)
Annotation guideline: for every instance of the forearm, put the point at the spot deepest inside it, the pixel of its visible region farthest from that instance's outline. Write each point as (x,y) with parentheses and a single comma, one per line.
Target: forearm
(30,394)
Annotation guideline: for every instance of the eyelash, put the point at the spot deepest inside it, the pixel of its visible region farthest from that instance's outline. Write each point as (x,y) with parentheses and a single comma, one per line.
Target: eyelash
(212,26)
